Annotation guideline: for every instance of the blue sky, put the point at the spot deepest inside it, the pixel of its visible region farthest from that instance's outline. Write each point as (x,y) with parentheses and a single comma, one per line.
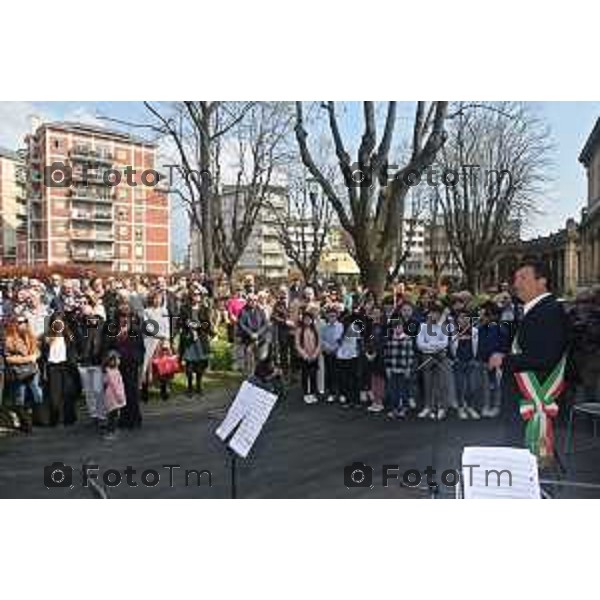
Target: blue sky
(570,123)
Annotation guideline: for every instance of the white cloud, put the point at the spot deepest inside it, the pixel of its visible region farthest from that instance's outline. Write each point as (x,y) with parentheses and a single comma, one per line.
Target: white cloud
(15,123)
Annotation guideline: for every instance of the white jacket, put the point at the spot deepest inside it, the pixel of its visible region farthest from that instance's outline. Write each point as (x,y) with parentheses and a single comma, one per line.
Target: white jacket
(431,339)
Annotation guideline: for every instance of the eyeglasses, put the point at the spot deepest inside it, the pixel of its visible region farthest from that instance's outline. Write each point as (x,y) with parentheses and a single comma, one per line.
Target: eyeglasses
(22,321)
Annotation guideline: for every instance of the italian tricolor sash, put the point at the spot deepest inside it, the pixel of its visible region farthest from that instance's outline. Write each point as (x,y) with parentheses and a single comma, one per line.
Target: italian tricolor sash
(538,407)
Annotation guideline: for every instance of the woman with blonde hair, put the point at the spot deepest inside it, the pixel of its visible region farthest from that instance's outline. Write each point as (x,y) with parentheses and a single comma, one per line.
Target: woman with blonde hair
(21,356)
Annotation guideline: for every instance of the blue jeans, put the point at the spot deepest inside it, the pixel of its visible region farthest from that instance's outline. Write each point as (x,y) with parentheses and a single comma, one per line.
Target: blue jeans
(33,385)
(397,391)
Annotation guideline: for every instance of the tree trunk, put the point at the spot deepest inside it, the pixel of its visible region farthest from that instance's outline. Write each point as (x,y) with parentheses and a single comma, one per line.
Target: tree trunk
(374,276)
(472,279)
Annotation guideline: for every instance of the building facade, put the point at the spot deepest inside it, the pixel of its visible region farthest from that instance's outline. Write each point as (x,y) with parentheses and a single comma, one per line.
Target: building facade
(94,200)
(264,254)
(13,208)
(560,251)
(590,215)
(426,250)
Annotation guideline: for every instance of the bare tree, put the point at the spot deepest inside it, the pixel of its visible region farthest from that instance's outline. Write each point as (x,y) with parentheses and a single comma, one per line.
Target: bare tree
(493,167)
(405,239)
(194,127)
(437,246)
(371,210)
(251,153)
(303,228)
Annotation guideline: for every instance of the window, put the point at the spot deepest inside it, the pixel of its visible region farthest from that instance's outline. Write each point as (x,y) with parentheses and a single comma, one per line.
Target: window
(139,234)
(139,251)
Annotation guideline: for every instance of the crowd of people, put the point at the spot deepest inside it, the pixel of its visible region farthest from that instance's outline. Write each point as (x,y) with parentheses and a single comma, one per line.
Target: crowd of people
(108,340)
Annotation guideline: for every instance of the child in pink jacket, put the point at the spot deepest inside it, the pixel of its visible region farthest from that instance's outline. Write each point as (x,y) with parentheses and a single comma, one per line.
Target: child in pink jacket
(114,392)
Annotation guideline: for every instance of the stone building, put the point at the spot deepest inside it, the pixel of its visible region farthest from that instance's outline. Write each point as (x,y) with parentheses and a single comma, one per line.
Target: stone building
(561,251)
(590,215)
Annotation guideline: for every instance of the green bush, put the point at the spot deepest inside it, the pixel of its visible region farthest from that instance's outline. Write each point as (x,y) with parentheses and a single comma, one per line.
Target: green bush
(221,355)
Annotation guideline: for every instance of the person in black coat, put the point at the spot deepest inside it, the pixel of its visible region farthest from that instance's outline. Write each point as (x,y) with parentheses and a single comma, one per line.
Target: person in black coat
(541,341)
(60,356)
(124,335)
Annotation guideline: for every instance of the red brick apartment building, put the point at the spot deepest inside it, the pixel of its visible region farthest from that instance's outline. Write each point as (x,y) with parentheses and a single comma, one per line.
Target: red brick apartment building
(83,217)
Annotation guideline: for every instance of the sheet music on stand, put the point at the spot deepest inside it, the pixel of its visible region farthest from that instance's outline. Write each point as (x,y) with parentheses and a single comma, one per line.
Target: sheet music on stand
(481,481)
(246,415)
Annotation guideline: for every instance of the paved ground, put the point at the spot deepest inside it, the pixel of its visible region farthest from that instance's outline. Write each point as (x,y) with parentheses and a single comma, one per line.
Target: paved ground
(301,454)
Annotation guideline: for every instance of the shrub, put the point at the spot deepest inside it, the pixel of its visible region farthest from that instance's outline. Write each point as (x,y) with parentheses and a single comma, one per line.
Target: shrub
(221,356)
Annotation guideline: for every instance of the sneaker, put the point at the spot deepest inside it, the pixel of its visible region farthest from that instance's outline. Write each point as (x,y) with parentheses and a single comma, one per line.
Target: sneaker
(307,399)
(426,412)
(485,413)
(342,400)
(400,413)
(412,403)
(375,408)
(441,414)
(391,414)
(364,397)
(330,399)
(473,413)
(494,412)
(462,414)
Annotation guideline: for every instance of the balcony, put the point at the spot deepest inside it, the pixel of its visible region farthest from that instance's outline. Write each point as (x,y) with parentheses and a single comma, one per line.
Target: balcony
(89,176)
(92,235)
(81,215)
(85,195)
(272,248)
(92,255)
(87,155)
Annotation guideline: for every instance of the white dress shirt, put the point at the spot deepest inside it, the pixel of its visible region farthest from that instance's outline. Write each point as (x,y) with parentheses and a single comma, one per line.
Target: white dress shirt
(527,307)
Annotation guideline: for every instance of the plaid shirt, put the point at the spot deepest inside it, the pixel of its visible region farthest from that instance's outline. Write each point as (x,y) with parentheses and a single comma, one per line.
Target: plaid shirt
(399,352)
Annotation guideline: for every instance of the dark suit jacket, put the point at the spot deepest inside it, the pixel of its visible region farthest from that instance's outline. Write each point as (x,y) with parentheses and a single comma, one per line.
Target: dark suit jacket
(542,337)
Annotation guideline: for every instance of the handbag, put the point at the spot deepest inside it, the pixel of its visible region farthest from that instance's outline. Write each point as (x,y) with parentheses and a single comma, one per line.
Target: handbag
(24,371)
(166,366)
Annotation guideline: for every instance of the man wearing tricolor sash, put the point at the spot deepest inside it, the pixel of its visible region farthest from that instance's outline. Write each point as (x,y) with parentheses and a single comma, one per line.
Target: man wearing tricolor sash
(533,372)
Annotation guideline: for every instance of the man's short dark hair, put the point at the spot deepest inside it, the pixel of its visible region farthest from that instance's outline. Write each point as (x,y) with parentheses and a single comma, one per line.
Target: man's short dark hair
(540,268)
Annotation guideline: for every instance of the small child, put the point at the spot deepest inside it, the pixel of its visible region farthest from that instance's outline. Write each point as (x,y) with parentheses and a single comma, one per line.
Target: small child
(114,392)
(400,359)
(331,334)
(374,352)
(308,348)
(463,349)
(165,364)
(493,337)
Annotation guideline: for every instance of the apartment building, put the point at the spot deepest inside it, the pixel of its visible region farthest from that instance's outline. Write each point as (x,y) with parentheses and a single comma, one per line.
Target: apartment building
(264,255)
(426,250)
(13,208)
(94,200)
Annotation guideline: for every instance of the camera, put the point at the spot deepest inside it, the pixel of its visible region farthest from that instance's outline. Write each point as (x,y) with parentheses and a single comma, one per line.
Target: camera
(358,475)
(58,475)
(58,175)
